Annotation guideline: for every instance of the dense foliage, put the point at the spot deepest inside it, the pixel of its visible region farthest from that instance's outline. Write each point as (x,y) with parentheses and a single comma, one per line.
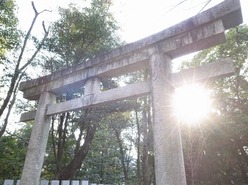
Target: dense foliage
(80,34)
(17,57)
(13,149)
(8,31)
(216,151)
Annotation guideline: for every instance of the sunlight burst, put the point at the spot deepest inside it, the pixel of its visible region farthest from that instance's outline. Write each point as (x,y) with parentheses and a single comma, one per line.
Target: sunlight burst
(191,103)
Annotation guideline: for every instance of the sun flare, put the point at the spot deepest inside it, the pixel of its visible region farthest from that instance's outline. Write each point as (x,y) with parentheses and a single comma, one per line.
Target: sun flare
(191,103)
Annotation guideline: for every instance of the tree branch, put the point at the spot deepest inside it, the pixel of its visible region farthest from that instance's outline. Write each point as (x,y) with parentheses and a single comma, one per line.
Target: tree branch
(44,27)
(34,8)
(27,37)
(3,129)
(45,10)
(241,33)
(15,135)
(204,6)
(17,71)
(1,2)
(35,53)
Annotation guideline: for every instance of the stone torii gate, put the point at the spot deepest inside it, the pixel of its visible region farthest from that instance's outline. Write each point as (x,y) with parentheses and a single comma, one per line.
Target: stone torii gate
(154,53)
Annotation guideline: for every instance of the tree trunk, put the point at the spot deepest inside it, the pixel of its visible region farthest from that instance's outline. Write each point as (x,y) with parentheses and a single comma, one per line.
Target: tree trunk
(10,106)
(9,93)
(70,170)
(62,130)
(145,159)
(124,168)
(18,72)
(138,149)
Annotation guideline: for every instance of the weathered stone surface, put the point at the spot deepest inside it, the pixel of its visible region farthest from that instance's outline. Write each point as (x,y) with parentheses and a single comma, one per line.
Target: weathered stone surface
(117,94)
(208,72)
(199,32)
(77,79)
(208,35)
(8,182)
(28,116)
(37,143)
(169,163)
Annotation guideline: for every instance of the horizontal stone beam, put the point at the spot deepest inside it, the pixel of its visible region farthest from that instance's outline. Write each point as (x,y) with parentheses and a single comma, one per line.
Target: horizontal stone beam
(209,71)
(201,31)
(117,94)
(205,36)
(28,116)
(77,79)
(121,93)
(202,37)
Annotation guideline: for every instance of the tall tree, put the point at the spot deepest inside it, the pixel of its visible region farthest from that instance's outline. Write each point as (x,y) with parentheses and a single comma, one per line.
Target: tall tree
(76,37)
(15,66)
(81,34)
(110,160)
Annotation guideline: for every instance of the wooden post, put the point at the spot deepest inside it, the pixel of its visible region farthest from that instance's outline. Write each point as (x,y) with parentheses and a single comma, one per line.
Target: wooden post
(169,163)
(37,143)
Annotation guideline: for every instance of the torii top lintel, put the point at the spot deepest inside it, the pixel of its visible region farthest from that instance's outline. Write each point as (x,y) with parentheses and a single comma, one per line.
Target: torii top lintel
(199,32)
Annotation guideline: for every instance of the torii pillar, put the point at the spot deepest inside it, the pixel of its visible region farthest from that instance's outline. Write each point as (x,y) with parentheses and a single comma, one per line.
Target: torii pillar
(37,142)
(167,139)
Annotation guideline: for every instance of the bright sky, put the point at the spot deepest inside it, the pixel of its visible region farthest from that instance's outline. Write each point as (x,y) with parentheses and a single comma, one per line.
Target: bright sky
(137,18)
